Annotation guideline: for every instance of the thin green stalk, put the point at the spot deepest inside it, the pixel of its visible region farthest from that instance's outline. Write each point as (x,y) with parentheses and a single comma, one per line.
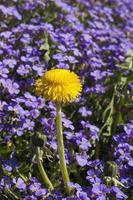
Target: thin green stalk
(61,151)
(97,149)
(42,171)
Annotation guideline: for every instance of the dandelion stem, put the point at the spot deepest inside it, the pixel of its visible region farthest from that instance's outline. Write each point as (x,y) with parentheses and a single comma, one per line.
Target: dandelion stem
(61,151)
(42,171)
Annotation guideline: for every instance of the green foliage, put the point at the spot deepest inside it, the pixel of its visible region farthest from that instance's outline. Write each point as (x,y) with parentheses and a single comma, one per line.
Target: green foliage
(113,115)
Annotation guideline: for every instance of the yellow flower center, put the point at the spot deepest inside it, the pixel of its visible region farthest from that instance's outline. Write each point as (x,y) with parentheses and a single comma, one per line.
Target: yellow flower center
(59,85)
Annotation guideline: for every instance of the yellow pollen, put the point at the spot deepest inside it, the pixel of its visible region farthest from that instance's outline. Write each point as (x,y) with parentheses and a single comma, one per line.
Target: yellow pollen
(59,85)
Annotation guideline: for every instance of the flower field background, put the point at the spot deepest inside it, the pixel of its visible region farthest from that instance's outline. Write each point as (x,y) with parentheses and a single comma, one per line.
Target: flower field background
(94,39)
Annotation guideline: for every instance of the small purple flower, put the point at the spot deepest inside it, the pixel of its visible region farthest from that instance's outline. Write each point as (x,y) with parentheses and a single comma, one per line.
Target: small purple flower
(12,87)
(36,188)
(17,109)
(41,192)
(23,69)
(5,182)
(10,11)
(71,59)
(63,65)
(53,145)
(6,34)
(19,131)
(69,135)
(2,105)
(75,185)
(67,123)
(28,124)
(25,39)
(83,143)
(39,69)
(130,162)
(10,62)
(84,111)
(8,167)
(100,191)
(92,176)
(82,159)
(30,197)
(97,74)
(34,113)
(40,102)
(119,194)
(19,183)
(3,72)
(82,195)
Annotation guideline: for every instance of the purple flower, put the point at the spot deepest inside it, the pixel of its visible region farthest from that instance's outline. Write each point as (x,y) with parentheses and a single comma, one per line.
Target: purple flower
(119,194)
(8,167)
(25,38)
(63,65)
(82,159)
(19,132)
(10,62)
(12,87)
(93,129)
(2,105)
(39,69)
(53,145)
(10,11)
(35,187)
(3,72)
(6,34)
(75,185)
(84,111)
(69,135)
(83,143)
(130,162)
(41,192)
(17,109)
(97,74)
(40,102)
(23,69)
(30,197)
(19,183)
(100,191)
(34,113)
(28,124)
(92,176)
(68,124)
(82,195)
(5,182)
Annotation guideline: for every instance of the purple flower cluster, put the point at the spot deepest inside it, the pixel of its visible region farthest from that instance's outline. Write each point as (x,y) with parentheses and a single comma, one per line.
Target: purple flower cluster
(124,154)
(92,38)
(32,190)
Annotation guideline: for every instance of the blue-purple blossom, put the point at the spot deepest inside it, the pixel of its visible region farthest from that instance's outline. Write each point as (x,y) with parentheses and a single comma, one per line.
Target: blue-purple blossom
(82,159)
(83,143)
(19,183)
(119,194)
(3,71)
(84,111)
(28,124)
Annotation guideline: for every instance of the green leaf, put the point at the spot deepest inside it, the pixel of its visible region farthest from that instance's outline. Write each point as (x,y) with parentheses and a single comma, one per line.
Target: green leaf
(46,47)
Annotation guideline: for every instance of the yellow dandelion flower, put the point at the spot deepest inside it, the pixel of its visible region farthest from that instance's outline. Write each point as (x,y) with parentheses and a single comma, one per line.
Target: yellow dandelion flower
(59,85)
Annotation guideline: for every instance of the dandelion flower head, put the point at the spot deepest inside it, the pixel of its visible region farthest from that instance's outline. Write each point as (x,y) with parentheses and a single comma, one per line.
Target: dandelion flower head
(59,85)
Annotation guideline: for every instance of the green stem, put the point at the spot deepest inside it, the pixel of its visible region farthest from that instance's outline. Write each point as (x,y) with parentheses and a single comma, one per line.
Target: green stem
(61,151)
(97,149)
(42,171)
